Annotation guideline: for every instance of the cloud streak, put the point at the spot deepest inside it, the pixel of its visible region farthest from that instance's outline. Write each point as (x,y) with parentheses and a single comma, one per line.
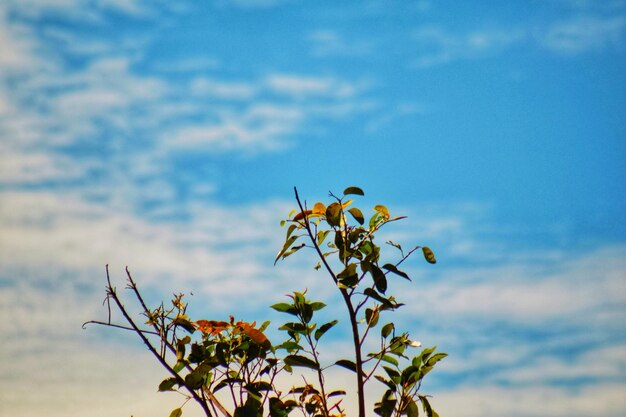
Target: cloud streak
(569,37)
(99,141)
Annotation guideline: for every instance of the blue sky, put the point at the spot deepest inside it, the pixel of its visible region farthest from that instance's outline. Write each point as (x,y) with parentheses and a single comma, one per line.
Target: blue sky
(168,136)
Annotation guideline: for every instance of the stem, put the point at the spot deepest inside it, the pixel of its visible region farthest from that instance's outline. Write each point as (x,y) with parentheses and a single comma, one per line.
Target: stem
(161,359)
(320,374)
(351,313)
(103,323)
(357,352)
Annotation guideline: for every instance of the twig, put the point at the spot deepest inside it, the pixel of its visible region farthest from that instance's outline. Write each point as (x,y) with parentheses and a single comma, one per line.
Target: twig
(118,326)
(112,293)
(351,312)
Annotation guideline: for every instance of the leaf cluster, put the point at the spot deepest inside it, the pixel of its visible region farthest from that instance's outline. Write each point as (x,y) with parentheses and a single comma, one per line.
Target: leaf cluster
(339,230)
(230,368)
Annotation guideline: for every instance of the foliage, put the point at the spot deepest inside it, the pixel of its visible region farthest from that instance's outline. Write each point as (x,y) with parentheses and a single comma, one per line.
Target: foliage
(230,368)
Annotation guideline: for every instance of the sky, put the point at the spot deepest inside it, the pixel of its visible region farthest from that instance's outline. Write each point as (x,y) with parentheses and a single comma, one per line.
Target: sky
(168,137)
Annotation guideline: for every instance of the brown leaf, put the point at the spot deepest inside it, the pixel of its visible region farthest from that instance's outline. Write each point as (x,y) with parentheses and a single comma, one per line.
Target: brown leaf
(211,327)
(256,335)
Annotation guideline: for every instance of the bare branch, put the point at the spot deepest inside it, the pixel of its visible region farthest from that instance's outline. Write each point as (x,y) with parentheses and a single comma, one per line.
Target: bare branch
(160,358)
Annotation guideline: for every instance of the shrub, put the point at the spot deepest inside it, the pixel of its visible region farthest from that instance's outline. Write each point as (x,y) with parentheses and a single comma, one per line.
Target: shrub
(231,369)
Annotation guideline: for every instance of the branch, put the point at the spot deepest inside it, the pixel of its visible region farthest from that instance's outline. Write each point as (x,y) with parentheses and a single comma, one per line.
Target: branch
(349,306)
(118,326)
(112,293)
(307,226)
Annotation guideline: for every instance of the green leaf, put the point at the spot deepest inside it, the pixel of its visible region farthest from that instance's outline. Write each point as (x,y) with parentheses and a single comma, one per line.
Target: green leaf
(167,384)
(179,366)
(371,317)
(324,328)
(366,247)
(410,375)
(180,350)
(184,323)
(252,408)
(353,190)
(427,408)
(348,276)
(194,380)
(386,405)
(291,230)
(358,216)
(380,281)
(333,214)
(264,326)
(293,250)
(197,353)
(294,327)
(315,306)
(258,386)
(177,412)
(425,354)
(345,363)
(336,393)
(386,330)
(375,220)
(286,246)
(370,292)
(387,382)
(435,358)
(306,311)
(393,374)
(411,409)
(429,255)
(390,359)
(302,361)
(278,408)
(289,346)
(321,236)
(392,268)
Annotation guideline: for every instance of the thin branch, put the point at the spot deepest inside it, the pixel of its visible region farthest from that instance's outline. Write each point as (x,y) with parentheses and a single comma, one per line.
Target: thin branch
(215,403)
(118,326)
(111,291)
(307,226)
(349,306)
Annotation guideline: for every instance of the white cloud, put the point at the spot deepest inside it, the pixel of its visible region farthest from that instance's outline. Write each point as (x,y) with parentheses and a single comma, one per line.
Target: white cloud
(20,168)
(220,89)
(586,288)
(17,45)
(80,10)
(49,229)
(252,4)
(301,87)
(577,35)
(390,115)
(261,127)
(191,64)
(585,34)
(604,363)
(442,47)
(601,400)
(329,43)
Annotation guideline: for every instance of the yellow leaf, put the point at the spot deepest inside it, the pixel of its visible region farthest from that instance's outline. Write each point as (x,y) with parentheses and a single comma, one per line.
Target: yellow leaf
(177,412)
(302,215)
(382,210)
(319,208)
(429,255)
